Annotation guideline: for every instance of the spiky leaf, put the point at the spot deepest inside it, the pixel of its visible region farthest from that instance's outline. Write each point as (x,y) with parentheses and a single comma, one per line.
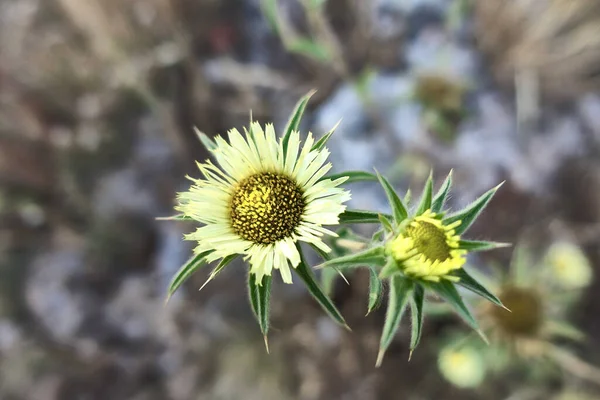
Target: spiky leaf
(186,270)
(470,283)
(386,224)
(353,176)
(360,217)
(447,291)
(224,262)
(325,138)
(398,209)
(371,256)
(260,296)
(417,316)
(400,292)
(294,121)
(468,215)
(480,245)
(305,273)
(442,195)
(375,291)
(425,202)
(178,217)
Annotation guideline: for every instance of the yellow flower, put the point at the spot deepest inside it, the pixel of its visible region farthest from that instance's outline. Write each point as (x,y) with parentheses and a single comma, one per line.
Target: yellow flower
(427,248)
(462,366)
(264,197)
(569,265)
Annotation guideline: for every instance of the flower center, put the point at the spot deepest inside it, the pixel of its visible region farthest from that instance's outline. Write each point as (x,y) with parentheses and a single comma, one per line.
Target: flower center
(525,316)
(429,240)
(266,207)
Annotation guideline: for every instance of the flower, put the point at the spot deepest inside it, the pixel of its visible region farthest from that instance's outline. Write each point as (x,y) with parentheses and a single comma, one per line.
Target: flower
(427,248)
(263,197)
(569,266)
(462,366)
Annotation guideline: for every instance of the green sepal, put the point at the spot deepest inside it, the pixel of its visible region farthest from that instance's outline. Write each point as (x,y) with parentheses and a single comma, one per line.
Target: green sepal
(371,256)
(417,315)
(398,208)
(353,176)
(260,295)
(305,273)
(185,271)
(328,275)
(222,264)
(407,199)
(294,121)
(480,245)
(442,195)
(400,292)
(470,283)
(324,139)
(426,197)
(389,269)
(375,290)
(468,215)
(360,217)
(447,291)
(207,142)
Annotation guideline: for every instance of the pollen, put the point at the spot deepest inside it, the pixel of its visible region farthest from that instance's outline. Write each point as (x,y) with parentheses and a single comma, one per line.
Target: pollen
(429,240)
(266,208)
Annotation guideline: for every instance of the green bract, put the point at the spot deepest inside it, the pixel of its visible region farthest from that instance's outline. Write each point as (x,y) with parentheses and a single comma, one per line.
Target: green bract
(418,252)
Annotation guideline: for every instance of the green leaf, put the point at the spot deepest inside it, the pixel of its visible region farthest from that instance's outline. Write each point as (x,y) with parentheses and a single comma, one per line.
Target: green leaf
(360,217)
(425,203)
(325,138)
(353,176)
(478,245)
(328,276)
(407,198)
(294,121)
(178,217)
(224,262)
(416,312)
(389,269)
(371,256)
(468,215)
(260,296)
(375,291)
(400,291)
(269,8)
(386,224)
(447,291)
(305,273)
(442,195)
(398,208)
(186,270)
(207,142)
(470,283)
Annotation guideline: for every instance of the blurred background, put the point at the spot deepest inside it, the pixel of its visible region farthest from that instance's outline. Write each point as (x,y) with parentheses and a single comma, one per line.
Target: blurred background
(98,99)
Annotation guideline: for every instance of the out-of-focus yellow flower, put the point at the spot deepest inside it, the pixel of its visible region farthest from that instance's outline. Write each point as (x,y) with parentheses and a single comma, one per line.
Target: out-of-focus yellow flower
(569,266)
(462,366)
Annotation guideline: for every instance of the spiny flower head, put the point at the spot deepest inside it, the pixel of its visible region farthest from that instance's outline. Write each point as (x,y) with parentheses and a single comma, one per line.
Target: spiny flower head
(262,198)
(418,252)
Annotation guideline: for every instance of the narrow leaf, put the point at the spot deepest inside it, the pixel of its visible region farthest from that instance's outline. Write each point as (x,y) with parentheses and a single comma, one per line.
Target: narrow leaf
(178,217)
(398,208)
(442,195)
(207,142)
(186,270)
(416,312)
(477,245)
(360,217)
(425,202)
(353,176)
(407,198)
(468,215)
(447,291)
(374,255)
(470,283)
(375,291)
(325,138)
(400,292)
(294,121)
(260,300)
(269,8)
(224,262)
(305,273)
(386,224)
